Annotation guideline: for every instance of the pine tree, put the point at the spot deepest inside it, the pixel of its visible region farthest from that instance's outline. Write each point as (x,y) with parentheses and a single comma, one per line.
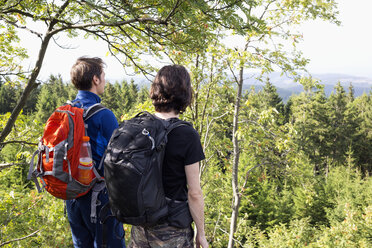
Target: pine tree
(30,106)
(340,129)
(350,94)
(271,97)
(361,110)
(8,97)
(312,125)
(110,97)
(53,93)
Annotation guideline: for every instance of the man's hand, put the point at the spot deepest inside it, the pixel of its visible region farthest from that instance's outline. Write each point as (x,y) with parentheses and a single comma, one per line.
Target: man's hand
(201,241)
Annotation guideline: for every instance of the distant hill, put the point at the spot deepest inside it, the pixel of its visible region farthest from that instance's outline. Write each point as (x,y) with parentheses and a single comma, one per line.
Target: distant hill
(286,86)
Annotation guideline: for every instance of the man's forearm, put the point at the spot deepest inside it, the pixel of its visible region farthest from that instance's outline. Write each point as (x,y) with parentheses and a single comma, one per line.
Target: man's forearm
(196,205)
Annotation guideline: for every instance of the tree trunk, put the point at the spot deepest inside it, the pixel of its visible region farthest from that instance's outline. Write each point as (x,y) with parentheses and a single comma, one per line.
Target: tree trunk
(235,182)
(31,85)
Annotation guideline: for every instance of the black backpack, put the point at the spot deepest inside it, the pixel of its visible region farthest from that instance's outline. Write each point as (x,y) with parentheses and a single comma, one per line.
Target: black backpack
(133,169)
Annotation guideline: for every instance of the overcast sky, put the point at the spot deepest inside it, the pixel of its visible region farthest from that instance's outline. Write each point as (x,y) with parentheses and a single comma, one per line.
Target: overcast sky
(341,49)
(345,49)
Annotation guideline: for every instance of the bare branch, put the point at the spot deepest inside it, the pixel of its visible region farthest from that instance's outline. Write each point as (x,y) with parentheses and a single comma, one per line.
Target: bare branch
(61,46)
(249,172)
(25,28)
(61,9)
(7,165)
(237,241)
(18,74)
(19,239)
(18,142)
(17,11)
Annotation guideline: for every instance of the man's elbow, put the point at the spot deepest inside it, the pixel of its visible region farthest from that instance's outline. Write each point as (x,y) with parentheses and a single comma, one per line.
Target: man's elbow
(195,194)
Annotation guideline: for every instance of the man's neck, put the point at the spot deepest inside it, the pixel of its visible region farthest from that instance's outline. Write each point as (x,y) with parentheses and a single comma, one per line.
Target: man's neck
(166,115)
(93,90)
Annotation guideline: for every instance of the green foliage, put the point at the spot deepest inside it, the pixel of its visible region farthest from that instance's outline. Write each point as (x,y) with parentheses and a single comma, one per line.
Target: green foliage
(122,97)
(360,111)
(53,94)
(270,98)
(283,203)
(325,129)
(8,96)
(11,55)
(307,211)
(18,149)
(311,123)
(23,212)
(342,125)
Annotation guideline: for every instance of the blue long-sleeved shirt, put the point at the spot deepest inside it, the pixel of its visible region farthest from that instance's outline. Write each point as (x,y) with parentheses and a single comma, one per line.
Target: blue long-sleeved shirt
(100,126)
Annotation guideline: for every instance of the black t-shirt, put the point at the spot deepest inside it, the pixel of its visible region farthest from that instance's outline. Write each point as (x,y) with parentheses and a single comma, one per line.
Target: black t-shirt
(183,148)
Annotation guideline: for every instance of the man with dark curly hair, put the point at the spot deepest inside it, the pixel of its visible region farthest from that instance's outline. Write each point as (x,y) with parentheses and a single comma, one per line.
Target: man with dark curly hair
(171,94)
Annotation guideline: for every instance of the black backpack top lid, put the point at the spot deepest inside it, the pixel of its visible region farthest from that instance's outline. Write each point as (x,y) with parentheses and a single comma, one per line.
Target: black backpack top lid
(133,169)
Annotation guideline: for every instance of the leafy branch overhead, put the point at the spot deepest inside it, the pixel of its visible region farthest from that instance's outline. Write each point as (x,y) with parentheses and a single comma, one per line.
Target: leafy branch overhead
(134,29)
(130,28)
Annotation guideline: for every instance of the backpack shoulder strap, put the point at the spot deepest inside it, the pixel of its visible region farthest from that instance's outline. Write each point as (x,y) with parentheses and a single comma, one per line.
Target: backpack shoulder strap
(177,123)
(92,110)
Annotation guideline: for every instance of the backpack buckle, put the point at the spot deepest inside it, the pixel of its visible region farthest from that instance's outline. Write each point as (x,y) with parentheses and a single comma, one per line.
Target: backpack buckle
(147,133)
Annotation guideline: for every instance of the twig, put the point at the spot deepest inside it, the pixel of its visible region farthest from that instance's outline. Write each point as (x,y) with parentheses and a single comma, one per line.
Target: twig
(19,239)
(249,172)
(7,165)
(18,142)
(237,241)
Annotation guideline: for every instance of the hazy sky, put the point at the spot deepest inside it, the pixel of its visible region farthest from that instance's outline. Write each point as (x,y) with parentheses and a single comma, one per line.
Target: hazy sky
(342,49)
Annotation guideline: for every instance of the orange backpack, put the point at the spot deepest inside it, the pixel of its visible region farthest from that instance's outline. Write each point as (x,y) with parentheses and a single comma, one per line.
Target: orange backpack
(58,153)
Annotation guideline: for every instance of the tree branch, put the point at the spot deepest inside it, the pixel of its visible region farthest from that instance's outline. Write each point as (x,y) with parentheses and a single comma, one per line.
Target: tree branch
(7,165)
(172,11)
(17,142)
(31,84)
(19,239)
(105,38)
(104,24)
(25,28)
(61,9)
(249,172)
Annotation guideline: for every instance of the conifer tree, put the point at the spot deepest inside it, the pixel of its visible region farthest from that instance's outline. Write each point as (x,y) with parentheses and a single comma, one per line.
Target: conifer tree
(271,97)
(53,93)
(110,97)
(30,106)
(361,109)
(350,94)
(311,124)
(340,131)
(8,97)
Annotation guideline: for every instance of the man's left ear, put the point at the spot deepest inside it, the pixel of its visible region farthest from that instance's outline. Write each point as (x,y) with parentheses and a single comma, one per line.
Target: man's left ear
(95,80)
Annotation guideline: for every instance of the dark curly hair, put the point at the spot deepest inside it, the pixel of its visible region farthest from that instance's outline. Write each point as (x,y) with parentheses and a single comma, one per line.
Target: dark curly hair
(83,71)
(171,89)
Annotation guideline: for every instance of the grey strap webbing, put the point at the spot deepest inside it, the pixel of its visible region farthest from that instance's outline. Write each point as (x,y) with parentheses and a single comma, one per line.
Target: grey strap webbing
(32,167)
(92,110)
(100,184)
(97,188)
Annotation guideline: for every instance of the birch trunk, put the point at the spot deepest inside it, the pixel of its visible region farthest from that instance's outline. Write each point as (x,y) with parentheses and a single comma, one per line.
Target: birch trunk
(235,183)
